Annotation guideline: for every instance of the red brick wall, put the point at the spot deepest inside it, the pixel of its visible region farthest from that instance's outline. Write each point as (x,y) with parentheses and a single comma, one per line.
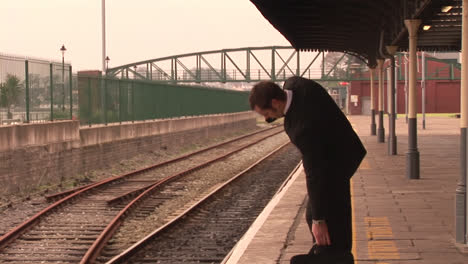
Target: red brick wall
(442,96)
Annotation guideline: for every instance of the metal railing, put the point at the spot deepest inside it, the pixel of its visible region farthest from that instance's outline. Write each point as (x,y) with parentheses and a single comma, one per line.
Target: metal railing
(108,100)
(276,63)
(35,90)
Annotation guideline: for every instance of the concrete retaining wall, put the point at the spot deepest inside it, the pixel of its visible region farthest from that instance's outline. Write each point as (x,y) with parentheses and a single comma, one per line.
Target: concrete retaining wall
(24,135)
(33,155)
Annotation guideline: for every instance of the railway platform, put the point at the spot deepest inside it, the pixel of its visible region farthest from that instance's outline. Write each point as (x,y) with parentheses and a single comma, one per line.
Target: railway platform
(395,220)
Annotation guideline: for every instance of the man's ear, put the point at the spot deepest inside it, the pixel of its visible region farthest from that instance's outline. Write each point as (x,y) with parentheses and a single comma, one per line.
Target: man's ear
(275,103)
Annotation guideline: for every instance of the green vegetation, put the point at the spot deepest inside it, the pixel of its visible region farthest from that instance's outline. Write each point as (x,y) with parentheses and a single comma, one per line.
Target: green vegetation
(10,92)
(61,115)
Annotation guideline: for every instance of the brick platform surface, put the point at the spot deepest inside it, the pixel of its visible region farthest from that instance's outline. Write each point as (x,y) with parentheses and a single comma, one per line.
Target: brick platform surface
(395,220)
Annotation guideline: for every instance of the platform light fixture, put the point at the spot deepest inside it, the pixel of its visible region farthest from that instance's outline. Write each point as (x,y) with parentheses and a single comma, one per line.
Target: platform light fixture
(445,9)
(107,63)
(426,27)
(63,49)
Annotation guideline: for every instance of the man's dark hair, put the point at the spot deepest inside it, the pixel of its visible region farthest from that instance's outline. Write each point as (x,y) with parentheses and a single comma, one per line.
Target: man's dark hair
(263,92)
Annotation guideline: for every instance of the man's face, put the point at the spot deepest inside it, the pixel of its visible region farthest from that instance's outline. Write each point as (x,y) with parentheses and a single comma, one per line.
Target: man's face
(271,113)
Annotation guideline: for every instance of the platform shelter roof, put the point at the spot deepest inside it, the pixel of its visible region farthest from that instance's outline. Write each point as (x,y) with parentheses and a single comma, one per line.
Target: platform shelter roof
(364,27)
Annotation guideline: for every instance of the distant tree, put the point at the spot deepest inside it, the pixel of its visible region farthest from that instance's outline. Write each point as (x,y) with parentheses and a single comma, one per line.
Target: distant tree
(36,91)
(10,92)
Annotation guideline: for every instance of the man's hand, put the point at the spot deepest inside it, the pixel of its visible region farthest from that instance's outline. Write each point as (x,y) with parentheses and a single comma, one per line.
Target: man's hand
(320,231)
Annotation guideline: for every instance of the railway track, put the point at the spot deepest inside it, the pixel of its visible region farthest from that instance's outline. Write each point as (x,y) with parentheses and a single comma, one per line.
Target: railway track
(63,194)
(207,229)
(63,232)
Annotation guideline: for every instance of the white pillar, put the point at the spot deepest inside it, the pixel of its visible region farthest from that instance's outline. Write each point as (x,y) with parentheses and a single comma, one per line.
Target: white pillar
(103,36)
(406,87)
(389,89)
(423,87)
(461,199)
(412,156)
(392,140)
(372,105)
(380,129)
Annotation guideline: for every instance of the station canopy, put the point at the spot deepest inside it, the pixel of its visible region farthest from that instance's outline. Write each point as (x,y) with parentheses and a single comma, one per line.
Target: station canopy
(362,27)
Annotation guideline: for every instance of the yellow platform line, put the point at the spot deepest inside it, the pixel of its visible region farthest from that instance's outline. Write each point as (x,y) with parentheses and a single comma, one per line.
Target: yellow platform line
(354,223)
(364,166)
(354,128)
(379,228)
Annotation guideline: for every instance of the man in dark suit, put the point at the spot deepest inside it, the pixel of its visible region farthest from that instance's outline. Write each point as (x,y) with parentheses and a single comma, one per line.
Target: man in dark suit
(331,153)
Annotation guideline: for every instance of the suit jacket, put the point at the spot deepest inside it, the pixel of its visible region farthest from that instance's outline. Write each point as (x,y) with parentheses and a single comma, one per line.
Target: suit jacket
(331,150)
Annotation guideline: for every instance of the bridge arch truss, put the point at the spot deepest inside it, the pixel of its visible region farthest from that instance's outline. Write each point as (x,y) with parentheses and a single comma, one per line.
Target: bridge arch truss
(250,64)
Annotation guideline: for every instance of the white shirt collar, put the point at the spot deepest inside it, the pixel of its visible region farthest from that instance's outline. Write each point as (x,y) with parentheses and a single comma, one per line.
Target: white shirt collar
(289,96)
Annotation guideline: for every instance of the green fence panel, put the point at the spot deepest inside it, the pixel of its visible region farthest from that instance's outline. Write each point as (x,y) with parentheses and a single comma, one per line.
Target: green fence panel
(106,100)
(43,91)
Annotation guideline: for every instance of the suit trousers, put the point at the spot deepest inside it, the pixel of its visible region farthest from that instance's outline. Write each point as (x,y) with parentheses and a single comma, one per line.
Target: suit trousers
(339,218)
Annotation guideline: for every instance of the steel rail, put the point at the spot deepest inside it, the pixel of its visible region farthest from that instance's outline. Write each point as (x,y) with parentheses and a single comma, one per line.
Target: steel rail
(94,251)
(23,227)
(68,192)
(136,246)
(228,256)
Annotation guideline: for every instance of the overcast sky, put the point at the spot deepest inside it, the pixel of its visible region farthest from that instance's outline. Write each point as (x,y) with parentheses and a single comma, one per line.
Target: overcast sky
(135,30)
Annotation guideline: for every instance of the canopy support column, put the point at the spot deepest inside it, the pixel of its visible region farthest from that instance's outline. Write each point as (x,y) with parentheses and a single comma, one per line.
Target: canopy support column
(461,219)
(381,129)
(412,156)
(372,105)
(392,140)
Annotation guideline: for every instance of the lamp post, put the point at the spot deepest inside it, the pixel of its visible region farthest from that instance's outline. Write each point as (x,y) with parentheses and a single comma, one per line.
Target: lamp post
(63,49)
(103,9)
(107,63)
